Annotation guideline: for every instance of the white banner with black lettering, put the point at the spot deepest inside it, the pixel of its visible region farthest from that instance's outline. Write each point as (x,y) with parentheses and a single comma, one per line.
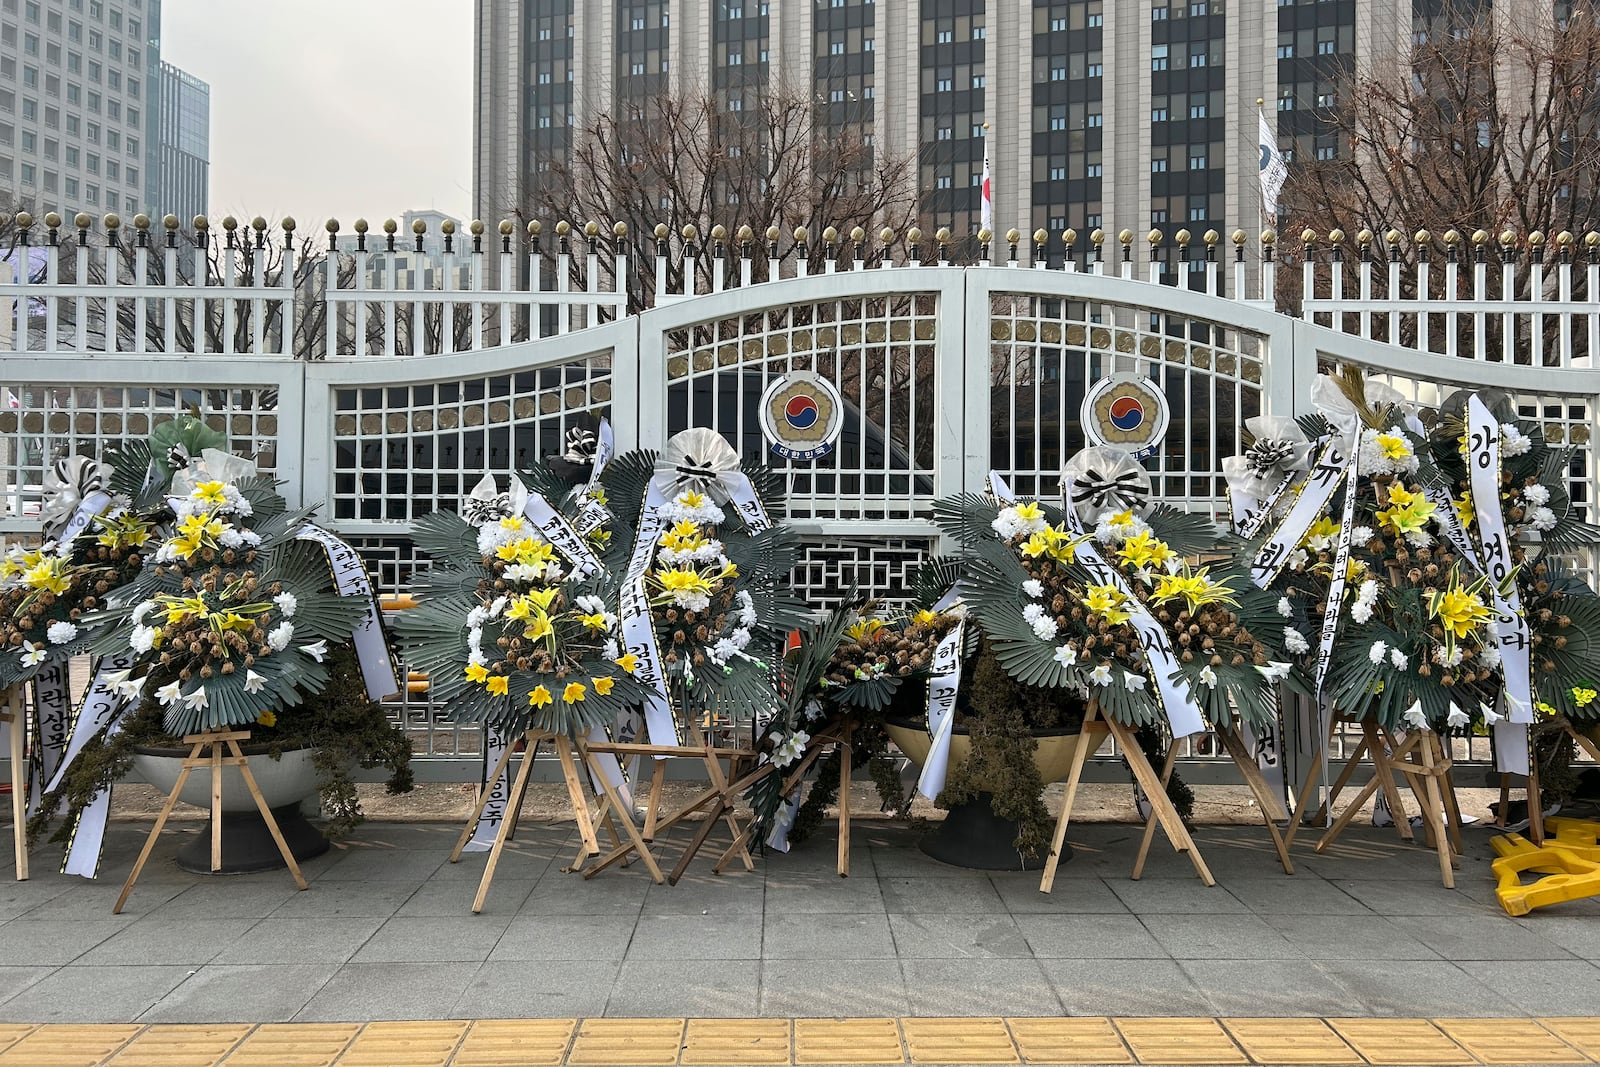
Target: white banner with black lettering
(52,703)
(350,578)
(1318,488)
(1483,465)
(1175,697)
(944,683)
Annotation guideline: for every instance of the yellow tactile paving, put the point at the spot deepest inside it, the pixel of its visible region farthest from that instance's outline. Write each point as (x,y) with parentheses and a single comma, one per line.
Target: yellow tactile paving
(1519,1041)
(1581,1034)
(1400,1041)
(847,1041)
(780,1042)
(1179,1041)
(180,1046)
(1084,1040)
(11,1033)
(294,1045)
(68,1046)
(1290,1041)
(516,1043)
(627,1042)
(736,1042)
(404,1045)
(959,1041)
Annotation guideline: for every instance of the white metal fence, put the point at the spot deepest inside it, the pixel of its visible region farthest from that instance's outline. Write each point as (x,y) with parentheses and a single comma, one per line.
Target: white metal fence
(382,380)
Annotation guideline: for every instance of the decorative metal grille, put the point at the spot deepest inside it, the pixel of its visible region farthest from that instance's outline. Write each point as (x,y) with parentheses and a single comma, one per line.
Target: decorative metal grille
(879,352)
(401,451)
(1045,355)
(830,569)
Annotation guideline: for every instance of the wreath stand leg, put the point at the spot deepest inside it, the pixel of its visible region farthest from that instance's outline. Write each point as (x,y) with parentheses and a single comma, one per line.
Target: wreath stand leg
(814,750)
(846,754)
(1314,775)
(1150,822)
(1270,806)
(207,750)
(519,792)
(612,801)
(1094,725)
(1429,778)
(16,713)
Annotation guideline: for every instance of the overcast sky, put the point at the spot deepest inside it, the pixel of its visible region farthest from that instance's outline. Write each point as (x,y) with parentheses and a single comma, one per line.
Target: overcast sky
(331,107)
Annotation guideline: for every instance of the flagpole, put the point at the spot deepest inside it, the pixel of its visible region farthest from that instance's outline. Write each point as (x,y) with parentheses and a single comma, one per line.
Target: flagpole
(986,193)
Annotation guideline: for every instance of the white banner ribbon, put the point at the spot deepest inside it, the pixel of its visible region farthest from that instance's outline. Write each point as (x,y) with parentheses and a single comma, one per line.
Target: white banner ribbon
(1483,465)
(1175,697)
(1314,493)
(944,682)
(52,702)
(350,579)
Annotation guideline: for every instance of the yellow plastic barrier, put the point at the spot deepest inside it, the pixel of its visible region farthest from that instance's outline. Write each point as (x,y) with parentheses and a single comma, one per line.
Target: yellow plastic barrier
(416,681)
(1578,836)
(1575,877)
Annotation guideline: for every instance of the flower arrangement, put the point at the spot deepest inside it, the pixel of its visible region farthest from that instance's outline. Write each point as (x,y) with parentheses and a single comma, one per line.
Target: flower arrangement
(1062,602)
(514,629)
(232,617)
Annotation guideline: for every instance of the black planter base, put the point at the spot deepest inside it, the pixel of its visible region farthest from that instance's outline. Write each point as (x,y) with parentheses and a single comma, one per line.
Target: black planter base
(247,845)
(973,836)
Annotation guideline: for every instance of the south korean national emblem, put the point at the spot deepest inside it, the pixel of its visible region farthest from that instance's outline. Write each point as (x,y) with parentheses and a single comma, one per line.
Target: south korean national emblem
(1128,412)
(801,415)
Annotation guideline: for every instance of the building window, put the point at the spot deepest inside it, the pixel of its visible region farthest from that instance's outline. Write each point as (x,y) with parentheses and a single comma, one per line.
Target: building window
(945,37)
(1096,21)
(1197,214)
(1327,152)
(943,85)
(1058,122)
(1286,102)
(1058,174)
(944,133)
(979,81)
(1095,121)
(1058,25)
(1197,111)
(1197,59)
(1158,14)
(1096,70)
(980,33)
(1158,57)
(1058,74)
(1158,216)
(1158,166)
(1197,161)
(1158,114)
(869,44)
(836,48)
(1325,48)
(1327,100)
(1286,51)
(1095,170)
(942,182)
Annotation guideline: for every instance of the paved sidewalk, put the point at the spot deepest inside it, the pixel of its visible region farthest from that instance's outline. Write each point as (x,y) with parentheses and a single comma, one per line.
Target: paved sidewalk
(386,933)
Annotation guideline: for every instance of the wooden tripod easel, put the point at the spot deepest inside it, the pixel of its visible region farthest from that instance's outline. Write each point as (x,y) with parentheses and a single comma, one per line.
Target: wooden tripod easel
(207,751)
(717,800)
(1095,726)
(1422,759)
(519,790)
(15,712)
(837,734)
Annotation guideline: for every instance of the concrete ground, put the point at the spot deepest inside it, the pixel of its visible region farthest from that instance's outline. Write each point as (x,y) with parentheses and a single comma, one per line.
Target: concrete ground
(385,932)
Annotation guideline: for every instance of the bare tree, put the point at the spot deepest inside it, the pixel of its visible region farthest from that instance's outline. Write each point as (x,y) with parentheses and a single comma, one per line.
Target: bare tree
(1488,121)
(682,158)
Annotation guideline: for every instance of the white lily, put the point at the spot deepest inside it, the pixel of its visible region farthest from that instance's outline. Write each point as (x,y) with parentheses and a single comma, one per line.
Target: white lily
(1208,676)
(169,693)
(253,682)
(1101,675)
(197,700)
(33,654)
(1414,717)
(316,651)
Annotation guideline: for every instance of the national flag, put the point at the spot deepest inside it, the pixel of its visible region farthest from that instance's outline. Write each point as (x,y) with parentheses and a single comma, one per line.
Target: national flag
(986,208)
(1274,170)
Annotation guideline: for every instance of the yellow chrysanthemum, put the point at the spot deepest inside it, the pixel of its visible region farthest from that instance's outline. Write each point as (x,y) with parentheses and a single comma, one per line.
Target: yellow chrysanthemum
(539,697)
(268,718)
(1107,602)
(574,693)
(863,630)
(1583,696)
(1393,446)
(1145,550)
(209,493)
(629,662)
(498,685)
(477,672)
(603,686)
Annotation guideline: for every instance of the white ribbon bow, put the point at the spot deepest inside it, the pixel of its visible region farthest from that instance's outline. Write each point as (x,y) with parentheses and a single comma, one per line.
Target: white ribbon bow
(1328,397)
(1281,450)
(1105,479)
(486,504)
(67,484)
(214,465)
(698,460)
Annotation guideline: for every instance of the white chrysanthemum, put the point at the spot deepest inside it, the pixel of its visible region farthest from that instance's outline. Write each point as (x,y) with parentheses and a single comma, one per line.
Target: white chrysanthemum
(142,639)
(1378,650)
(1399,659)
(1490,656)
(230,537)
(612,650)
(590,604)
(1113,528)
(1066,655)
(59,633)
(1010,523)
(691,601)
(1284,607)
(1513,442)
(496,606)
(723,651)
(279,636)
(141,610)
(1044,628)
(1419,538)
(1542,519)
(287,604)
(1208,676)
(1101,675)
(1294,641)
(1360,535)
(1033,587)
(747,608)
(477,617)
(1032,613)
(1536,495)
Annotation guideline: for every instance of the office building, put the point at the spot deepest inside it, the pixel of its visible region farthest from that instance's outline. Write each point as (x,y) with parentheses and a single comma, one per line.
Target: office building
(79,94)
(183,181)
